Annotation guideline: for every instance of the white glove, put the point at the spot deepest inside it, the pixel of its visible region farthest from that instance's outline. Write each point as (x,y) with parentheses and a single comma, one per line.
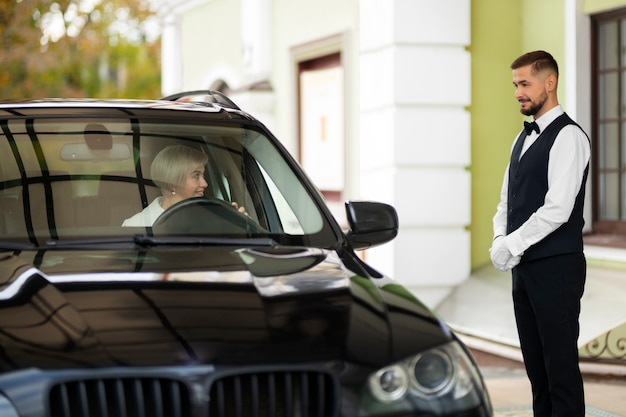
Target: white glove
(512,263)
(501,255)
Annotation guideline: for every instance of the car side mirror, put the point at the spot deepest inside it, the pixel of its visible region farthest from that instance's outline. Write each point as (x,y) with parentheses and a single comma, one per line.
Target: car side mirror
(371,223)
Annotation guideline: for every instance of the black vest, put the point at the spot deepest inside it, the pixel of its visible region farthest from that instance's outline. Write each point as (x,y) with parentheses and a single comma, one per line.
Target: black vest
(528,185)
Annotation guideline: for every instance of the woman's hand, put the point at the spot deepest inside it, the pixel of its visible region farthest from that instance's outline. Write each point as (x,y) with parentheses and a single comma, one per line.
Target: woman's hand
(241,209)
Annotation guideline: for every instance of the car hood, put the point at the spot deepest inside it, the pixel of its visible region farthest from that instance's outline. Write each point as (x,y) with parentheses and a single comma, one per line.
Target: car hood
(250,305)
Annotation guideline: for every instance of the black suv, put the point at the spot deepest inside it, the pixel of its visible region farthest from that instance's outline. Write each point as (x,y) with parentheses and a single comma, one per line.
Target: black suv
(169,258)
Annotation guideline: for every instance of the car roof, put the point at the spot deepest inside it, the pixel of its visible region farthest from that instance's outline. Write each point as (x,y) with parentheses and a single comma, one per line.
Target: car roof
(204,101)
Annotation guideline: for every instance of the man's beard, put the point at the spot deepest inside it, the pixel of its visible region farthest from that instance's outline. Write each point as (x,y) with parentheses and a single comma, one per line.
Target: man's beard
(535,107)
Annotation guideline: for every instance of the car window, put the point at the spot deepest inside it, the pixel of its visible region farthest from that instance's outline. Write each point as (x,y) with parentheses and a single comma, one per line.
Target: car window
(84,176)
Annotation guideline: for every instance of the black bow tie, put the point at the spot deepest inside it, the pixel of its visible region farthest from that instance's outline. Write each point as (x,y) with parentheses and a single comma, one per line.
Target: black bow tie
(529,127)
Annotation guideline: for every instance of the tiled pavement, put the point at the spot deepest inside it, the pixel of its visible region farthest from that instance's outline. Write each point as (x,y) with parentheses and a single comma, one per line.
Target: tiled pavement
(527,412)
(510,394)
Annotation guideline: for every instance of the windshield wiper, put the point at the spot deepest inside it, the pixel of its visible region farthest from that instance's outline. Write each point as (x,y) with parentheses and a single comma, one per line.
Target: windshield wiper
(145,241)
(7,245)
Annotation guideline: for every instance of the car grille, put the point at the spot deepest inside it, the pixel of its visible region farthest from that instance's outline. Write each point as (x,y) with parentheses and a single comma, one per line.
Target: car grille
(130,397)
(260,394)
(274,394)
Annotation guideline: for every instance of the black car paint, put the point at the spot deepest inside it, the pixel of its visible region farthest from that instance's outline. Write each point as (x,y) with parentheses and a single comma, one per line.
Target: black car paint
(88,322)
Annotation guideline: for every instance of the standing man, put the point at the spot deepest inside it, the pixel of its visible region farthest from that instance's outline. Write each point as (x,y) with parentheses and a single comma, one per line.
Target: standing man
(538,234)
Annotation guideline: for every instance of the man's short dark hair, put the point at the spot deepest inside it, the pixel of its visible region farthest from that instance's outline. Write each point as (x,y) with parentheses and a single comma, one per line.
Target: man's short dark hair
(540,61)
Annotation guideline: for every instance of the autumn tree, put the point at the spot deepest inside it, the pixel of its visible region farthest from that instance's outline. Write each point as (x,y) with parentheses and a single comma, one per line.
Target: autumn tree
(78,48)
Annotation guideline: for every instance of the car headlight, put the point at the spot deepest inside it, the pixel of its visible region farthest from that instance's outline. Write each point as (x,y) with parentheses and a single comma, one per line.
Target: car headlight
(390,383)
(432,373)
(440,381)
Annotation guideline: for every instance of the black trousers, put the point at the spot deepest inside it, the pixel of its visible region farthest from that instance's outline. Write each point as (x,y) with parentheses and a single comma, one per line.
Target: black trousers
(546,299)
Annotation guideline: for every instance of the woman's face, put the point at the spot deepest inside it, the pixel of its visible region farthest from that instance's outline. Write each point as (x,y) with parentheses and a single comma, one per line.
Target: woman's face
(193,186)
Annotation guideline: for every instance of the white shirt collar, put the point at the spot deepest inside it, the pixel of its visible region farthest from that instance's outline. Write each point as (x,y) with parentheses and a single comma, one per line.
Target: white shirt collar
(549,117)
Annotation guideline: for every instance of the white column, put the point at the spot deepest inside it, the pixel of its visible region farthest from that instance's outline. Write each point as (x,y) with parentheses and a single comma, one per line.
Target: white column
(171,57)
(415,137)
(577,89)
(256,23)
(256,35)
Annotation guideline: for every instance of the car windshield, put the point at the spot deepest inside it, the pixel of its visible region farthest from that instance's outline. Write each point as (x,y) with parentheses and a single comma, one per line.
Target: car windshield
(84,177)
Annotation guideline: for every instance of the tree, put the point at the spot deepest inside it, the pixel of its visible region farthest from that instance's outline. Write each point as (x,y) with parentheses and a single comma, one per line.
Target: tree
(79,48)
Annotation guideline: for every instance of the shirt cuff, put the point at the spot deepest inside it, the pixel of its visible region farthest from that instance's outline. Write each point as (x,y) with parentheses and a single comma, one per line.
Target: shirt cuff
(515,244)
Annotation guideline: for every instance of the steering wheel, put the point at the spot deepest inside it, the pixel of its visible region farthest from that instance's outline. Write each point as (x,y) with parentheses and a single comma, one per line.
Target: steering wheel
(201,215)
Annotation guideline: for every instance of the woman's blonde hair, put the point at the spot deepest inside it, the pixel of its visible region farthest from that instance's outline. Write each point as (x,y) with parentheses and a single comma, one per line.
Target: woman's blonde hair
(174,164)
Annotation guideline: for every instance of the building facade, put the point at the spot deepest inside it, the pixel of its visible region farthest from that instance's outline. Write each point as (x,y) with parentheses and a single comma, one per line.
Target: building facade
(410,102)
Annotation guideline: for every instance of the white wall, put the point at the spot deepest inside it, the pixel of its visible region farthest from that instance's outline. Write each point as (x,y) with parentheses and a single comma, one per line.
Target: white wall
(406,89)
(211,44)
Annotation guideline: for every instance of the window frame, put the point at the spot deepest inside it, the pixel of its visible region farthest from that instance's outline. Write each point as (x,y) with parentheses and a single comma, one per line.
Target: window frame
(608,226)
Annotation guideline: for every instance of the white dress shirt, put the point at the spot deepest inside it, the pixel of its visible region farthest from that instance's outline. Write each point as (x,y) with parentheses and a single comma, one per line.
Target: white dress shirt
(568,159)
(147,216)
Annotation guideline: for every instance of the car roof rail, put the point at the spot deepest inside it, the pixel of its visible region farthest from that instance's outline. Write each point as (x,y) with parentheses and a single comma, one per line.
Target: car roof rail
(208,96)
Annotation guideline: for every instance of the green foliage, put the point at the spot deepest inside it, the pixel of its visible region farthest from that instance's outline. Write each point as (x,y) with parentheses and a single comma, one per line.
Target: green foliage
(79,48)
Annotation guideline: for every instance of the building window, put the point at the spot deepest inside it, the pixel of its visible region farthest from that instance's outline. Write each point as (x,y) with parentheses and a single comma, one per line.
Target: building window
(609,127)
